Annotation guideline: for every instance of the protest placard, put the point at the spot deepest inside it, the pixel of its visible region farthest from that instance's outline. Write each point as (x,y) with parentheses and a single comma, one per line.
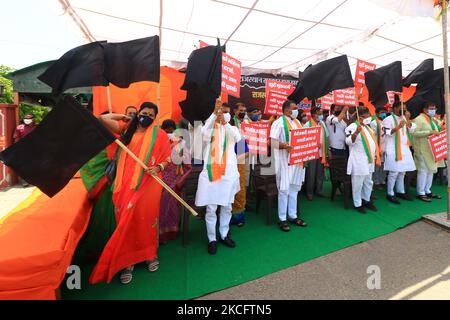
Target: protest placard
(257,136)
(438,144)
(305,145)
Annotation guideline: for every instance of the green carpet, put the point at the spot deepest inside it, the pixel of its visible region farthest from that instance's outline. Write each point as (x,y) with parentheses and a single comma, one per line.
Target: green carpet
(190,272)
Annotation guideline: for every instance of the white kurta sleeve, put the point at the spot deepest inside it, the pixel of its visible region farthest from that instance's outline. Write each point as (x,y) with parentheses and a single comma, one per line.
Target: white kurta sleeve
(388,125)
(413,127)
(275,131)
(234,132)
(207,129)
(348,134)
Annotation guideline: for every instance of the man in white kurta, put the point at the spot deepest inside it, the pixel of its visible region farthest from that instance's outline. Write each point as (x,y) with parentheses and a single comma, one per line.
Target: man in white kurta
(361,162)
(289,178)
(220,192)
(398,159)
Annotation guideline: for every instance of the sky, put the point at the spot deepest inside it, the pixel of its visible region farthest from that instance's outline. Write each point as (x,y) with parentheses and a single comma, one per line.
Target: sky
(28,34)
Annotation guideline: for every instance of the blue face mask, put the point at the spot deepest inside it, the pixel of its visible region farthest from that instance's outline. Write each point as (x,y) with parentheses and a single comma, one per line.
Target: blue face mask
(383,116)
(255,117)
(431,113)
(320,117)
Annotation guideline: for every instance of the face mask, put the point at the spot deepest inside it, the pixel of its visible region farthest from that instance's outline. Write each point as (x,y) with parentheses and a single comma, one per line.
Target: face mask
(320,117)
(383,116)
(170,135)
(431,113)
(226,117)
(241,115)
(145,121)
(255,117)
(27,121)
(294,114)
(367,121)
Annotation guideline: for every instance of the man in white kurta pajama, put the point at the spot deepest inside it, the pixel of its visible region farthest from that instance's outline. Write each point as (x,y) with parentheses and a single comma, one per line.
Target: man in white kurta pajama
(220,192)
(361,162)
(289,178)
(398,157)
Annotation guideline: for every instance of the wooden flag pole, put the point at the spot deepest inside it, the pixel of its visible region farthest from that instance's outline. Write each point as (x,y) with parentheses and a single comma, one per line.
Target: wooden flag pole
(161,182)
(108,94)
(446,91)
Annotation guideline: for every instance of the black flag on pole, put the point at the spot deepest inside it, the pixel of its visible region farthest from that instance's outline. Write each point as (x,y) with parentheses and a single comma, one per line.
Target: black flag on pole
(429,89)
(419,73)
(132,61)
(82,66)
(203,83)
(101,63)
(63,142)
(382,80)
(322,78)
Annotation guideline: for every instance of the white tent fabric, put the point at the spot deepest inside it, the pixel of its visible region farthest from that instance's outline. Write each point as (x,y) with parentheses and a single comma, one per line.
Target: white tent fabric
(281,36)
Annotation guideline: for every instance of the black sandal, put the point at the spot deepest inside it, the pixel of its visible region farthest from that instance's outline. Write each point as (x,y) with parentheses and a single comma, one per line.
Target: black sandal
(434,196)
(298,222)
(284,226)
(424,198)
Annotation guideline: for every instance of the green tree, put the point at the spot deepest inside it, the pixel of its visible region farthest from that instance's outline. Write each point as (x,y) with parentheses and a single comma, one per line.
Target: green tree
(8,96)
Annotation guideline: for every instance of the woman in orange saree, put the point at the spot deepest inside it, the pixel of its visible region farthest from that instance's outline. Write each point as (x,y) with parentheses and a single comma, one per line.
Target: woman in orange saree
(136,197)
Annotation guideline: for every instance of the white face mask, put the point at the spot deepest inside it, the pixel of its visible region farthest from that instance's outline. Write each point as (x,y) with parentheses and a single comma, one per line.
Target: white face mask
(367,121)
(27,121)
(294,114)
(226,117)
(170,135)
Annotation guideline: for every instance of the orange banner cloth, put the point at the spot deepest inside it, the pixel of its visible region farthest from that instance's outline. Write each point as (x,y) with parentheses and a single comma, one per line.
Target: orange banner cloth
(139,92)
(37,242)
(407,94)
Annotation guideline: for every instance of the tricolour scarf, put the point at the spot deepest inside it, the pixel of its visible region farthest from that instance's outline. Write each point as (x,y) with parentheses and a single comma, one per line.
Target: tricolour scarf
(216,167)
(398,140)
(324,133)
(366,145)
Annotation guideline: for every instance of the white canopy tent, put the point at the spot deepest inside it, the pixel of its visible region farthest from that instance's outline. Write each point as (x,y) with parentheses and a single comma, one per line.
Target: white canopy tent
(277,36)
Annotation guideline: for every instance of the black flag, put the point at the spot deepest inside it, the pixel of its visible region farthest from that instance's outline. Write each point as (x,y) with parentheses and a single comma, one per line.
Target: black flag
(132,61)
(322,78)
(418,74)
(382,80)
(80,67)
(429,89)
(63,142)
(203,83)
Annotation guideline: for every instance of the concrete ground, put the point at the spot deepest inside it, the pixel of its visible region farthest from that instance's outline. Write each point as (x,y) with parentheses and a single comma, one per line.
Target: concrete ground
(414,263)
(11,197)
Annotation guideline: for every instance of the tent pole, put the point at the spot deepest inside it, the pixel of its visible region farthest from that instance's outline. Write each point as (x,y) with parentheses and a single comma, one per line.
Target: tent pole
(108,94)
(446,93)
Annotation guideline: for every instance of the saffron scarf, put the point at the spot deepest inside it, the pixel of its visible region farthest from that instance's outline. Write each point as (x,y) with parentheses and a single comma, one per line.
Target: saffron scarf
(366,145)
(144,155)
(398,140)
(216,167)
(433,123)
(288,127)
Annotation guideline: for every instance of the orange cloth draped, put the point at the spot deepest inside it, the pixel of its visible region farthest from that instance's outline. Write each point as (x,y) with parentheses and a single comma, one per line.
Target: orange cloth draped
(407,94)
(139,92)
(37,242)
(137,213)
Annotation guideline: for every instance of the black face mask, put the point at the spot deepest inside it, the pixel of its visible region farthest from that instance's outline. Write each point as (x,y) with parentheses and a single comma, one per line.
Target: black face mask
(241,115)
(145,121)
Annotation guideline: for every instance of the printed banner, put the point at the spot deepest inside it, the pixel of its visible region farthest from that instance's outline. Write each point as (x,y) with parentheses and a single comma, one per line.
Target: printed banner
(276,94)
(361,68)
(231,73)
(305,145)
(438,146)
(345,97)
(327,101)
(257,136)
